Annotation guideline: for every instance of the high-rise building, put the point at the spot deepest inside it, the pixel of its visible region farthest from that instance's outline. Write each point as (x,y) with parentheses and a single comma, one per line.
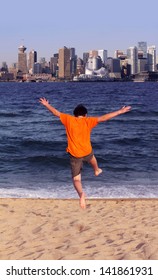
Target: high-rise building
(13,70)
(94,63)
(37,68)
(64,63)
(132,56)
(142,49)
(54,65)
(93,53)
(73,62)
(22,60)
(4,66)
(114,65)
(32,59)
(80,66)
(120,54)
(103,55)
(43,63)
(152,58)
(142,65)
(56,55)
(85,58)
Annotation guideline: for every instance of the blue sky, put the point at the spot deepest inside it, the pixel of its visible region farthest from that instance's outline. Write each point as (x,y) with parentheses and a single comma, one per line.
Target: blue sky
(46,26)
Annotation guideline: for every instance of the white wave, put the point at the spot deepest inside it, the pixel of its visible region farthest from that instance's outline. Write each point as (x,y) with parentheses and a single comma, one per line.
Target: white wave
(92,191)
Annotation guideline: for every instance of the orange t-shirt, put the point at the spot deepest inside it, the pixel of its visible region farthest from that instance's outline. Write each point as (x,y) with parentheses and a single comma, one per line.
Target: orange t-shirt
(78,130)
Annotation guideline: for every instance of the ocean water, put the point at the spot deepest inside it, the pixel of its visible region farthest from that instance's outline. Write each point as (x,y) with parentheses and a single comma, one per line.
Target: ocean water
(33,158)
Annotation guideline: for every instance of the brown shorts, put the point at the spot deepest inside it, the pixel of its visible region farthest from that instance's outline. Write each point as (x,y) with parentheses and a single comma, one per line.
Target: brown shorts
(77,163)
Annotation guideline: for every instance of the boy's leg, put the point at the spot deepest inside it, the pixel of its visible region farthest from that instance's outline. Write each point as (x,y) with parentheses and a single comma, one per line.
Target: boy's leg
(94,164)
(78,186)
(76,167)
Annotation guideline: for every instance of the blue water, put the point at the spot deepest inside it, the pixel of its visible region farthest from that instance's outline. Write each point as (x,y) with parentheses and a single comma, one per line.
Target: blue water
(33,159)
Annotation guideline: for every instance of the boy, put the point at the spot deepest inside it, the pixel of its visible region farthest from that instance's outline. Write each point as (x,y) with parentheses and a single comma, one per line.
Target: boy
(78,130)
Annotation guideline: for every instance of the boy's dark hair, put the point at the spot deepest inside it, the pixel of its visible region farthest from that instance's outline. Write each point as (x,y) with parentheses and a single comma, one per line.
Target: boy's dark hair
(80,110)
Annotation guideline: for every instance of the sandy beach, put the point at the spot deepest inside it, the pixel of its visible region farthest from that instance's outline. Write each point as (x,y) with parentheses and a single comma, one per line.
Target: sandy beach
(54,229)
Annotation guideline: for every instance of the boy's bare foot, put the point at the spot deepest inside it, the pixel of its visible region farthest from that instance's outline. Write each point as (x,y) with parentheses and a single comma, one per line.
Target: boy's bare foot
(82,201)
(98,171)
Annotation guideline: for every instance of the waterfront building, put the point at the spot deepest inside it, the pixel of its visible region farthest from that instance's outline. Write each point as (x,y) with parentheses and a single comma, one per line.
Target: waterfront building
(64,63)
(5,76)
(132,56)
(22,60)
(32,58)
(151,58)
(37,77)
(142,49)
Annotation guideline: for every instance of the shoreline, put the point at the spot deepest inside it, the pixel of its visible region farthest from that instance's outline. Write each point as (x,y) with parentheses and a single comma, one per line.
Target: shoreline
(58,229)
(76,198)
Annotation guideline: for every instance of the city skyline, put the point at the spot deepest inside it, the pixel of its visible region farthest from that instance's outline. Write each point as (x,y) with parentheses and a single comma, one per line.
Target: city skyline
(85,26)
(39,59)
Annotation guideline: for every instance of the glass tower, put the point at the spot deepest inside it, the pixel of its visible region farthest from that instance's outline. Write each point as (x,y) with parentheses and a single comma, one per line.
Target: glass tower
(142,49)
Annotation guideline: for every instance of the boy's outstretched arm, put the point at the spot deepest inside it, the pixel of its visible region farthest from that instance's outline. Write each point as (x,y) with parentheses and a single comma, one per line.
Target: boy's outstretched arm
(111,115)
(45,102)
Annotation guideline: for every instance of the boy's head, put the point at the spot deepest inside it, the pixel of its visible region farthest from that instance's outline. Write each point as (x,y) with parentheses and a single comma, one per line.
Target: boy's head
(80,110)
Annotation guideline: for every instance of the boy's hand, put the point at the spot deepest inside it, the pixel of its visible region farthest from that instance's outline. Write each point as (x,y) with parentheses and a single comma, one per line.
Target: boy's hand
(125,109)
(44,101)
